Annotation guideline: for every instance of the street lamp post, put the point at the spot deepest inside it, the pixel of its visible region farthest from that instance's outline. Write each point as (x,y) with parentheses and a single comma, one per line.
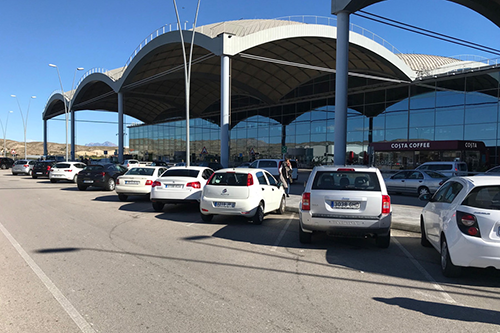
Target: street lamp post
(4,130)
(66,109)
(25,121)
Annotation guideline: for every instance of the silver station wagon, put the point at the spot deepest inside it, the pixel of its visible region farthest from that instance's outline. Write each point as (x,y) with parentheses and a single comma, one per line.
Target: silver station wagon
(346,201)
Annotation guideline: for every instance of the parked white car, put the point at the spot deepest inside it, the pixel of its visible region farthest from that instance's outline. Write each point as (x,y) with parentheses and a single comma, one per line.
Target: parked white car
(179,185)
(346,200)
(462,222)
(138,181)
(66,171)
(244,192)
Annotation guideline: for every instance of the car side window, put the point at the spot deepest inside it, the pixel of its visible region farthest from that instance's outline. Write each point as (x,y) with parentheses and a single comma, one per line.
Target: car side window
(206,174)
(416,175)
(271,179)
(400,175)
(261,178)
(448,192)
(254,164)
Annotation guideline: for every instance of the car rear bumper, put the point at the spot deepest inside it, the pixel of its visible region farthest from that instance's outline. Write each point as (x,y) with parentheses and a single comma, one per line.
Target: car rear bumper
(469,251)
(346,225)
(245,207)
(175,196)
(133,190)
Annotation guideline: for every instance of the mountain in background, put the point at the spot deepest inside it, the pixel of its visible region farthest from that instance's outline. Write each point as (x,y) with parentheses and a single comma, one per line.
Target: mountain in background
(105,144)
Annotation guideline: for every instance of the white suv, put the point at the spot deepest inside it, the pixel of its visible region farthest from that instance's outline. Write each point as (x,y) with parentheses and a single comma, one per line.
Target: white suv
(243,192)
(346,201)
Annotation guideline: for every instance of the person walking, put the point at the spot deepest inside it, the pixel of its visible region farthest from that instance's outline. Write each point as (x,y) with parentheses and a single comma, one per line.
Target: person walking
(286,175)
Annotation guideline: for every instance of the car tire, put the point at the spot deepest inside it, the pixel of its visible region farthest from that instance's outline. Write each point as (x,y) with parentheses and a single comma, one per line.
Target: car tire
(258,218)
(423,190)
(447,267)
(423,235)
(206,218)
(383,241)
(30,173)
(75,178)
(304,237)
(82,187)
(281,210)
(158,206)
(122,197)
(3,167)
(110,185)
(14,174)
(53,181)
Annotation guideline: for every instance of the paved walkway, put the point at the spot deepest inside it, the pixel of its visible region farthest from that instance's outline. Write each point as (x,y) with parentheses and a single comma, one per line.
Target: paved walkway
(404,217)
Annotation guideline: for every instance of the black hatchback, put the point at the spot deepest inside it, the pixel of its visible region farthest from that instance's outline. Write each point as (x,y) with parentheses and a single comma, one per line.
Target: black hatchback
(42,169)
(6,163)
(100,175)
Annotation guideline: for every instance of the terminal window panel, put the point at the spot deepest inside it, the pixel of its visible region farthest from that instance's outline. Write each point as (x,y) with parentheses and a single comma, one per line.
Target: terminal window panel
(449,133)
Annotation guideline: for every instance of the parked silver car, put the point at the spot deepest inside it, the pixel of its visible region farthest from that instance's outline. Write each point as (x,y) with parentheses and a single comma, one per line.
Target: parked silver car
(415,182)
(23,167)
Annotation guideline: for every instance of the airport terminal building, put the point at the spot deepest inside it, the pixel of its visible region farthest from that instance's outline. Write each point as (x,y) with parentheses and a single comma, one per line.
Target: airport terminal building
(265,88)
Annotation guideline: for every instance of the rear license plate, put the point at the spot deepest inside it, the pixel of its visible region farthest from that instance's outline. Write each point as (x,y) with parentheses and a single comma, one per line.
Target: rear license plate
(131,182)
(224,204)
(173,186)
(345,204)
(39,173)
(88,181)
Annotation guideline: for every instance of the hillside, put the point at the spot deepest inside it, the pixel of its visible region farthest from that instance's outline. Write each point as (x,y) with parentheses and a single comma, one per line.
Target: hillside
(36,148)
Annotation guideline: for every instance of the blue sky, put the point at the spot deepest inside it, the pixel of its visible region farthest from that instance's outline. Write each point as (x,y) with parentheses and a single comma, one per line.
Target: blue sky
(103,34)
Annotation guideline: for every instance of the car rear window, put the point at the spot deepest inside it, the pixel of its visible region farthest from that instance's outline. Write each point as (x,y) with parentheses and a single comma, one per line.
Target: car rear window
(268,164)
(181,173)
(439,167)
(94,168)
(349,181)
(141,171)
(62,165)
(21,162)
(229,179)
(486,197)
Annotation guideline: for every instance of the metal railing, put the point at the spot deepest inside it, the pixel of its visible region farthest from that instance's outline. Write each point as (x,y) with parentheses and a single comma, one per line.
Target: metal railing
(91,71)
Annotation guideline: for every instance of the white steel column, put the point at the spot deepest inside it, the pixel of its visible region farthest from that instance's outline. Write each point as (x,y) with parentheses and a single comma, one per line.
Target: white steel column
(342,63)
(225,111)
(120,127)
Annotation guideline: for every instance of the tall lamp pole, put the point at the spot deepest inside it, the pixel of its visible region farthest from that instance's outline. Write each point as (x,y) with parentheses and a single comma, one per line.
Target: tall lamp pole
(4,130)
(25,121)
(66,109)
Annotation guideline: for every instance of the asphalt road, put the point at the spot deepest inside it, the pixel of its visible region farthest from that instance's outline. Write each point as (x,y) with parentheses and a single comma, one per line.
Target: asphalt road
(82,261)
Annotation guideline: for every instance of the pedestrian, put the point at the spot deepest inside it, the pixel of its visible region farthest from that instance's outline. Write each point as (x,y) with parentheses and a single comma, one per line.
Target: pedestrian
(286,175)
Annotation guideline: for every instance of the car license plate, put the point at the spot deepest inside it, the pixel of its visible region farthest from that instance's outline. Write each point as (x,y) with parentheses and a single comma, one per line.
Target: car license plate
(224,204)
(132,182)
(88,181)
(39,173)
(345,204)
(173,186)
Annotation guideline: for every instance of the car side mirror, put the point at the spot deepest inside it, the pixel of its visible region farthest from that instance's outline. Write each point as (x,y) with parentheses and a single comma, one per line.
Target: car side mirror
(425,197)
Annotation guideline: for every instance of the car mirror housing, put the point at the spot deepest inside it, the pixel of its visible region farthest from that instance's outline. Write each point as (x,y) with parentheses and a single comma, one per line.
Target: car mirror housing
(425,197)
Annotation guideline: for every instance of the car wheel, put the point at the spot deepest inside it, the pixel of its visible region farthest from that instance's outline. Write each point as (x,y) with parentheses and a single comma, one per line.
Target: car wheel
(423,236)
(258,218)
(206,218)
(82,187)
(281,210)
(304,237)
(423,190)
(30,173)
(447,267)
(110,185)
(383,241)
(53,181)
(75,179)
(3,166)
(158,206)
(122,197)
(14,173)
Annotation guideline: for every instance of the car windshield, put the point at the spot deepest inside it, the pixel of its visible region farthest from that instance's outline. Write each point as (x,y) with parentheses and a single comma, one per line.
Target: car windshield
(342,180)
(229,178)
(486,197)
(181,173)
(141,172)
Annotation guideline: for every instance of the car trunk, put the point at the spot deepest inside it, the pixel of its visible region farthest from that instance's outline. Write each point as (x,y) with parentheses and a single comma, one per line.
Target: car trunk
(347,204)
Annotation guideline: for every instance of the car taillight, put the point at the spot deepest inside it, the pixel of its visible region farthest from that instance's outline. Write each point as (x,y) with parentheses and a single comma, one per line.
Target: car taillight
(149,182)
(48,167)
(249,180)
(386,204)
(279,165)
(156,183)
(194,185)
(26,165)
(117,181)
(345,169)
(467,223)
(103,174)
(68,170)
(306,201)
(210,178)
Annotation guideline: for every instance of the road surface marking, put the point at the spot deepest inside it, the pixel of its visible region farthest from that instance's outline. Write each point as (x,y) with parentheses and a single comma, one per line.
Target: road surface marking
(58,295)
(278,240)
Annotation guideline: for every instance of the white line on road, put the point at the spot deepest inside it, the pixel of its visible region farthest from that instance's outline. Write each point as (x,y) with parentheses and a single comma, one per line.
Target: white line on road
(436,286)
(282,233)
(58,295)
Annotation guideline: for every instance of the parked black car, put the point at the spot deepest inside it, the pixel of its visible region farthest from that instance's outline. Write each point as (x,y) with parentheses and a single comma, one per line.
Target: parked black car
(100,175)
(42,169)
(6,163)
(212,165)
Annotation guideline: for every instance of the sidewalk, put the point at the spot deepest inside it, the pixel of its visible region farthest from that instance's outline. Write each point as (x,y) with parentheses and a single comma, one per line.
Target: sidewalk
(404,217)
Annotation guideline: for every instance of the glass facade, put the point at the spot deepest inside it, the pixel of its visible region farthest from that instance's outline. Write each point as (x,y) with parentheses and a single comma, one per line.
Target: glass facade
(460,108)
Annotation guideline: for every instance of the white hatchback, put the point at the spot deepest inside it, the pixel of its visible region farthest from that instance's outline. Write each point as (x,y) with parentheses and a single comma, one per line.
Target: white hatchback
(179,185)
(137,181)
(346,201)
(462,221)
(244,192)
(66,171)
